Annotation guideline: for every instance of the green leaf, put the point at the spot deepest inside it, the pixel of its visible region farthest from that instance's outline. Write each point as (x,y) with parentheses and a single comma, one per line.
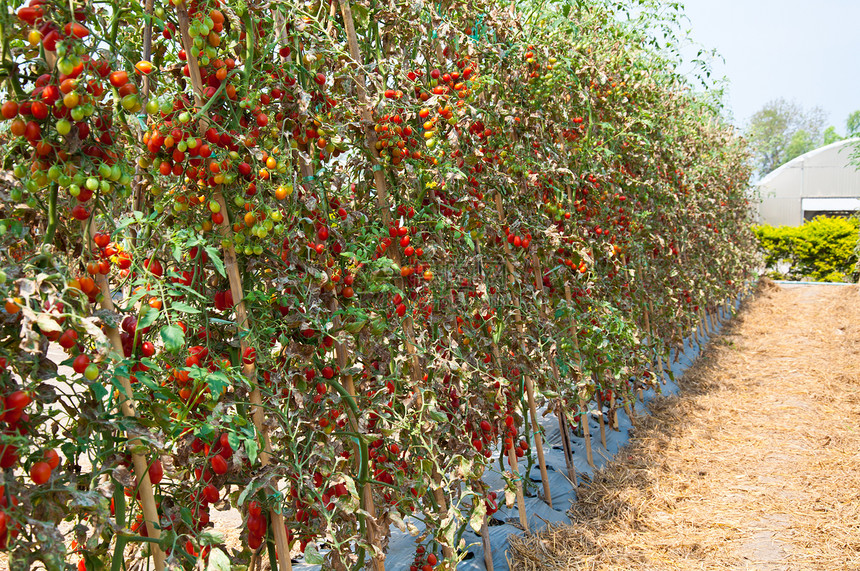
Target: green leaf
(99,390)
(252,449)
(173,338)
(183,307)
(217,382)
(148,316)
(312,556)
(216,261)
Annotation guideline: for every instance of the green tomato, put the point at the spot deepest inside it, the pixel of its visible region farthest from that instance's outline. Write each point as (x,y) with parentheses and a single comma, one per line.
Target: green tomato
(151,107)
(192,143)
(239,201)
(65,65)
(105,187)
(104,170)
(181,146)
(54,173)
(258,250)
(115,172)
(74,190)
(92,183)
(276,216)
(225,243)
(166,107)
(91,373)
(184,117)
(214,206)
(64,180)
(77,113)
(131,103)
(2,273)
(63,127)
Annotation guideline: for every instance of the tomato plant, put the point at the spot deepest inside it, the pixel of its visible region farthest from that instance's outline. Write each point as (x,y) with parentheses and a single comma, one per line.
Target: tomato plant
(323,262)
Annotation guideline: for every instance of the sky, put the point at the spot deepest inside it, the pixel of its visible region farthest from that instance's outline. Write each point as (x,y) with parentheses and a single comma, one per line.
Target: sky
(802,50)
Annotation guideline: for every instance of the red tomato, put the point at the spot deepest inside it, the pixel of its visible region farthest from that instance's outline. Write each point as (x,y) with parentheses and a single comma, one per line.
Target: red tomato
(52,458)
(118,78)
(40,472)
(156,472)
(219,464)
(9,110)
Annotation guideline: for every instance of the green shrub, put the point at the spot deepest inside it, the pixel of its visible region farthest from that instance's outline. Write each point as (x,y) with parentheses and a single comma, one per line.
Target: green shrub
(823,249)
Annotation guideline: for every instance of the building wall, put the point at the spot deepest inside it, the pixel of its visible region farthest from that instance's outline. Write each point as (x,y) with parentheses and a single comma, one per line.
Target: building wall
(822,173)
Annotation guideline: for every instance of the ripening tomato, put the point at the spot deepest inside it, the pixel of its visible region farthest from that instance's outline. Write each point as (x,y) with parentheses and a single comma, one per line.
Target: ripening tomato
(143,67)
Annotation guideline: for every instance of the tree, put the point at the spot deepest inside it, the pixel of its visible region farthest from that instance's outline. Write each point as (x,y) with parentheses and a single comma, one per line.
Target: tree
(853,124)
(782,130)
(831,136)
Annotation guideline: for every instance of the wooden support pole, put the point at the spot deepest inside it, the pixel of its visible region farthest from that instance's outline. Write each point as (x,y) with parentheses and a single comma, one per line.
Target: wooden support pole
(512,460)
(521,501)
(559,407)
(383,205)
(127,405)
(583,407)
(613,412)
(485,542)
(231,267)
(600,417)
(528,381)
(367,504)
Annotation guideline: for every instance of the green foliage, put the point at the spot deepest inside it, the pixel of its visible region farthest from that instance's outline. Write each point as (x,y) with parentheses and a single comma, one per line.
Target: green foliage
(831,136)
(782,130)
(823,249)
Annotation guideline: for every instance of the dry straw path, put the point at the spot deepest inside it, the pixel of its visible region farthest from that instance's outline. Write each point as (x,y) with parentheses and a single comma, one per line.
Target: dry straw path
(756,465)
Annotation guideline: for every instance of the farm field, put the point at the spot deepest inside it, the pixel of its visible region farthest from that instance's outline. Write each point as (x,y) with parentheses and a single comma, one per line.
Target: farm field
(755,465)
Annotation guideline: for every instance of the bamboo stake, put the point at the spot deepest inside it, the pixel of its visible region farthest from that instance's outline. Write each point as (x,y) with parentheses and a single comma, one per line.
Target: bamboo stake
(613,413)
(512,460)
(661,377)
(528,381)
(583,415)
(600,417)
(382,201)
(378,561)
(231,267)
(141,465)
(521,501)
(485,541)
(571,472)
(383,205)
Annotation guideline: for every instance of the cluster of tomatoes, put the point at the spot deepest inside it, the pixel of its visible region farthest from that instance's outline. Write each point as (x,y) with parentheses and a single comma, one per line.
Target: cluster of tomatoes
(424,560)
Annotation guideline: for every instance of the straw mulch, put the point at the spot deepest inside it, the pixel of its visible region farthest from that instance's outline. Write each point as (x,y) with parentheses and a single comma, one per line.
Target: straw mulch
(756,465)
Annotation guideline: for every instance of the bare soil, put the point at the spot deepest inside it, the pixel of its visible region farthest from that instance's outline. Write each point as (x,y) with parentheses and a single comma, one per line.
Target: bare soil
(754,466)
